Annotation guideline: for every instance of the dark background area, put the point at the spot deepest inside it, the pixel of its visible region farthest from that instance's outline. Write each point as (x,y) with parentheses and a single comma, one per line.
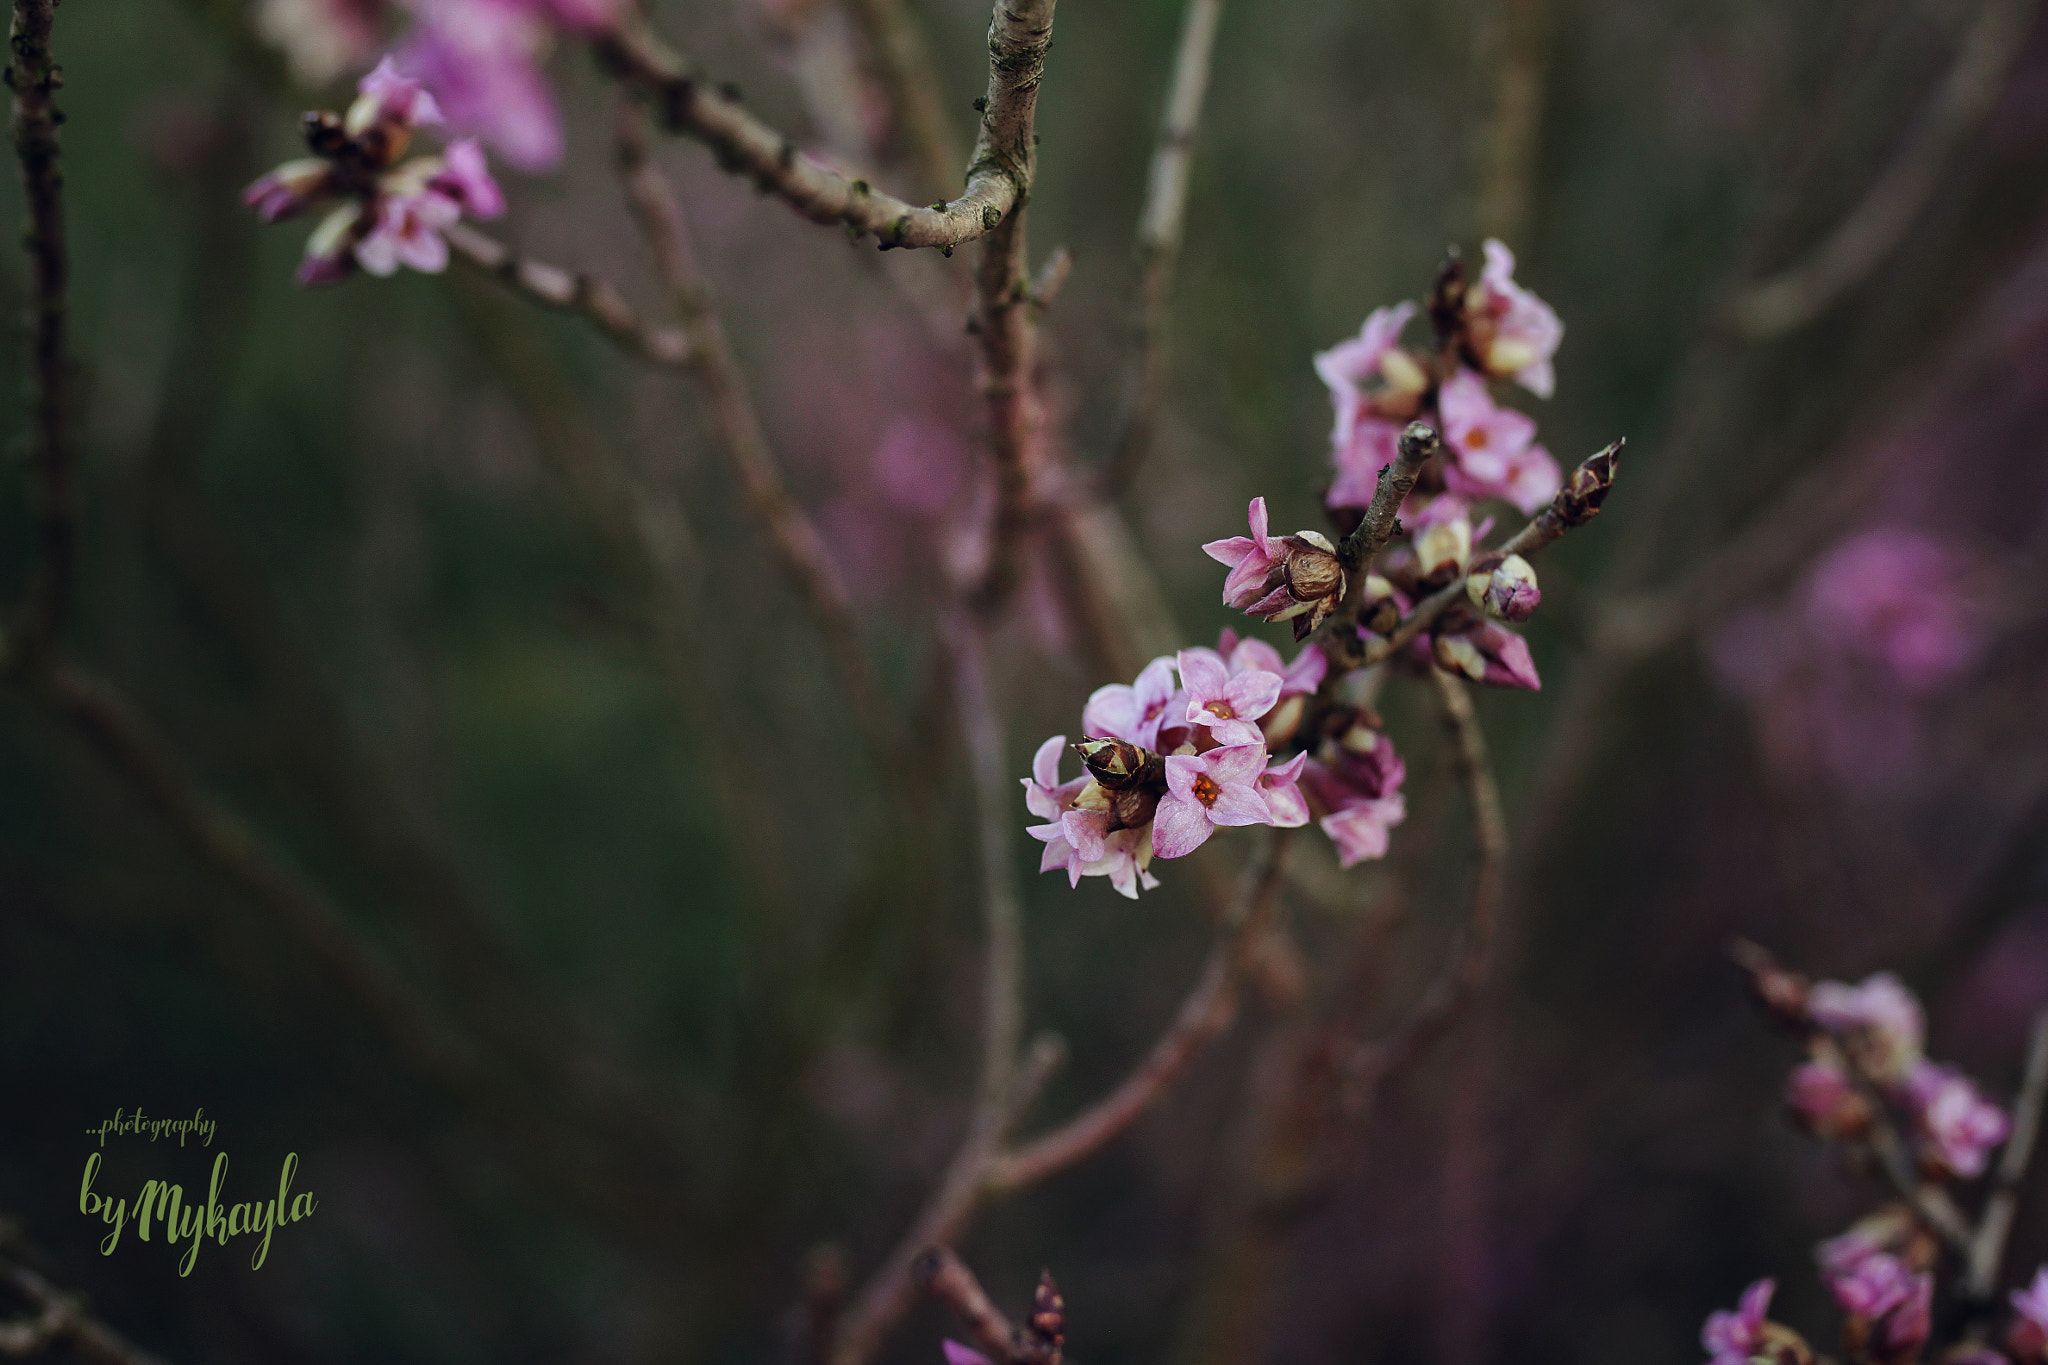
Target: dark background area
(353,550)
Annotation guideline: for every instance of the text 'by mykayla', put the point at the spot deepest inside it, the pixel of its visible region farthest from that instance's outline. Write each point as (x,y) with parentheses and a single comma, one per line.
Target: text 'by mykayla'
(163,1203)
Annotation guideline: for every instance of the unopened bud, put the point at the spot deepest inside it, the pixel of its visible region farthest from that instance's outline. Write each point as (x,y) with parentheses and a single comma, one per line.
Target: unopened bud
(1821,1098)
(1442,548)
(1456,654)
(290,189)
(1046,1328)
(324,134)
(330,251)
(1381,610)
(1115,762)
(1279,724)
(1313,570)
(1504,588)
(1585,488)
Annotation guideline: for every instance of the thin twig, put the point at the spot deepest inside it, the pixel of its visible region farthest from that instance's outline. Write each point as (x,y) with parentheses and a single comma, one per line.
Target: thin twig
(1159,236)
(905,60)
(1359,549)
(710,360)
(1463,975)
(61,1317)
(942,1274)
(998,174)
(1987,1248)
(1203,1015)
(35,77)
(596,299)
(1566,512)
(890,1291)
(1933,1204)
(1879,221)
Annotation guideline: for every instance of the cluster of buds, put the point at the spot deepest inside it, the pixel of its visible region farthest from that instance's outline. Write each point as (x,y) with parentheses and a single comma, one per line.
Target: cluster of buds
(1865,1068)
(392,210)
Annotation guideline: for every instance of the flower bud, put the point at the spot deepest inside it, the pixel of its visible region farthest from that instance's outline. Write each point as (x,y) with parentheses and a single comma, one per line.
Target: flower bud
(1505,589)
(1118,764)
(1381,610)
(1442,548)
(1585,488)
(1821,1098)
(330,251)
(1305,586)
(1045,1331)
(291,189)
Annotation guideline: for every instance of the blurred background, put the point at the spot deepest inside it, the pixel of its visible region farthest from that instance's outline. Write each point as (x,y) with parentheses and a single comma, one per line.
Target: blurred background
(459,605)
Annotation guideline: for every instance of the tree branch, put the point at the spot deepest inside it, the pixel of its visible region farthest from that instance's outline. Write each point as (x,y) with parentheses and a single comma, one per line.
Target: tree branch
(1359,549)
(1159,236)
(889,1292)
(942,1274)
(1372,1063)
(708,356)
(594,298)
(1987,1247)
(1879,221)
(35,77)
(1207,1011)
(998,175)
(61,1317)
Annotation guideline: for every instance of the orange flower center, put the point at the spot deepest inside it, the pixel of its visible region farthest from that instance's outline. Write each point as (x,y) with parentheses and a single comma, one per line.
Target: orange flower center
(1206,790)
(1476,438)
(1221,710)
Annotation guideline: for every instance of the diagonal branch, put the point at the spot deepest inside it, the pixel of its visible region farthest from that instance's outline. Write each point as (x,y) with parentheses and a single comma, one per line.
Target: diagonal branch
(1159,235)
(594,298)
(1462,977)
(35,77)
(1207,1011)
(998,175)
(709,358)
(1876,225)
(1987,1247)
(61,1317)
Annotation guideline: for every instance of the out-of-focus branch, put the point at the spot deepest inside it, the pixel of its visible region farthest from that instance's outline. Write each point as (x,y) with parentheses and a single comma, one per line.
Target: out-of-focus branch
(60,1318)
(217,834)
(888,1294)
(998,174)
(594,298)
(905,60)
(1008,337)
(1159,236)
(1861,242)
(1462,977)
(34,77)
(1207,1011)
(1987,1247)
(942,1274)
(710,360)
(1512,137)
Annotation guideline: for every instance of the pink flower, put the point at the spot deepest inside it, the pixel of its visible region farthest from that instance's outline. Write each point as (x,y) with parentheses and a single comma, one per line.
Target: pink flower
(1902,599)
(1079,841)
(1515,333)
(1226,705)
(1300,678)
(1958,1125)
(1496,454)
(482,57)
(1252,559)
(1820,1096)
(1732,1338)
(1355,781)
(1879,1283)
(1370,446)
(1352,364)
(1279,784)
(291,189)
(385,96)
(1880,1018)
(408,232)
(1135,713)
(1880,1231)
(465,177)
(2028,1335)
(1208,790)
(1489,654)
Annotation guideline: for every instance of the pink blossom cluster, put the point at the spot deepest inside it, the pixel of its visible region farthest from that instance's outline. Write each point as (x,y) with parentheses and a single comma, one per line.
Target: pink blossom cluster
(1489,329)
(392,211)
(482,60)
(1190,747)
(1879,1025)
